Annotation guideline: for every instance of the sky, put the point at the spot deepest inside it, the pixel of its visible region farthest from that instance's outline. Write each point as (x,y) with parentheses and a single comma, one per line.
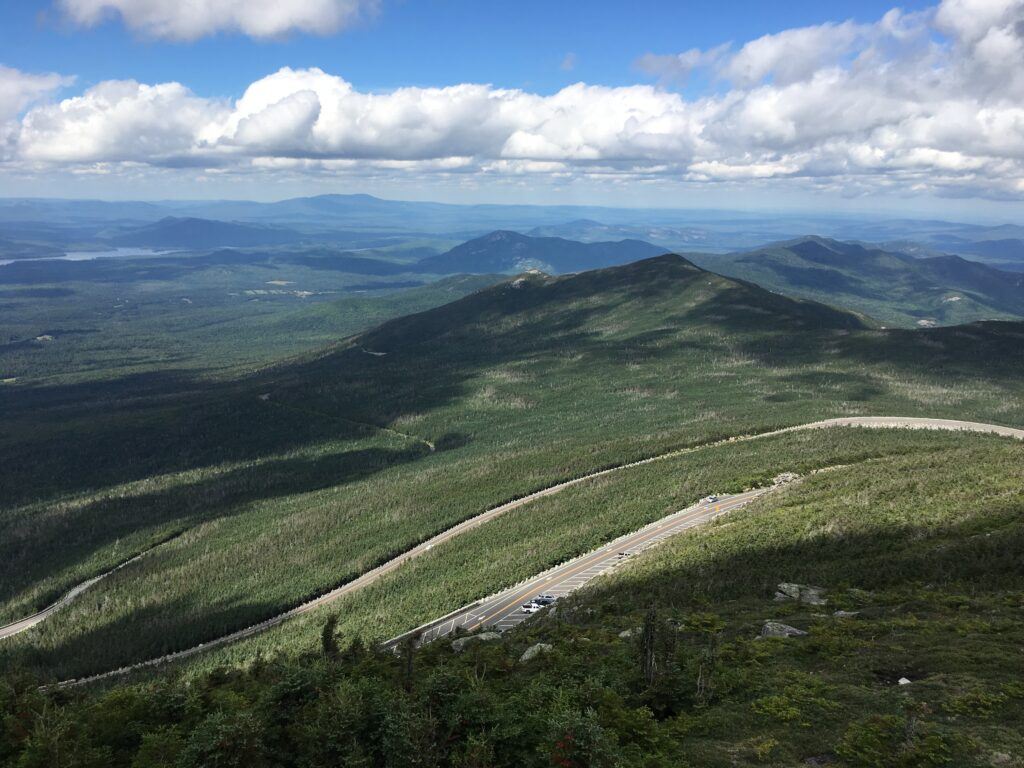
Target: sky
(766,105)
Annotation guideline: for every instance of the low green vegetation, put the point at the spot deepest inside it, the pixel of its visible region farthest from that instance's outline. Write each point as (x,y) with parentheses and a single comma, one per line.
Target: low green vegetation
(89,636)
(282,484)
(659,664)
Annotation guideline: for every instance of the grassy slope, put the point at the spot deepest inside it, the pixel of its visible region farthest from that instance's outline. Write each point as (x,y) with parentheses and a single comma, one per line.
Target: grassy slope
(519,387)
(933,566)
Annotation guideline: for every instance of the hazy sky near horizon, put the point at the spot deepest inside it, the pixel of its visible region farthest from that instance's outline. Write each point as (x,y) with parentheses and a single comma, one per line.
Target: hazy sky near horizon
(856,105)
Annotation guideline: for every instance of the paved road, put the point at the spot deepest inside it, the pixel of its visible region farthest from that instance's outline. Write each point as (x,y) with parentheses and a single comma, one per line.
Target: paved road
(503,611)
(907,422)
(381,570)
(30,621)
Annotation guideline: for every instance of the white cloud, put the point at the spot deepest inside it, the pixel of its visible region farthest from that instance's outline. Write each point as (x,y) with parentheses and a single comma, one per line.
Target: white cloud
(793,55)
(930,102)
(17,91)
(192,19)
(970,21)
(118,121)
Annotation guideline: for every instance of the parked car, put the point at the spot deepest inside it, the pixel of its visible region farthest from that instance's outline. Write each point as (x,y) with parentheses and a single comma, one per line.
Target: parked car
(530,607)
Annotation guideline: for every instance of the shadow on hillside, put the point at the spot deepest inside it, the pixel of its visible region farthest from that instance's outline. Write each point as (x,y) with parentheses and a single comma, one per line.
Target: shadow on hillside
(980,551)
(75,534)
(155,631)
(71,438)
(984,551)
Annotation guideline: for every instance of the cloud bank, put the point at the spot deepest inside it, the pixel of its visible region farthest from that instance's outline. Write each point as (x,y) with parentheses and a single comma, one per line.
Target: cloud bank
(929,102)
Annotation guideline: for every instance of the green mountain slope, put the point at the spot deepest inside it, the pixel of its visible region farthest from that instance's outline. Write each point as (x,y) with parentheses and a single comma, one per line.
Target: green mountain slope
(659,664)
(894,288)
(289,481)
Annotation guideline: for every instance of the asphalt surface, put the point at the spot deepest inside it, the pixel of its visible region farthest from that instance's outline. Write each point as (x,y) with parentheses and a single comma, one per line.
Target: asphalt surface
(504,610)
(30,621)
(381,570)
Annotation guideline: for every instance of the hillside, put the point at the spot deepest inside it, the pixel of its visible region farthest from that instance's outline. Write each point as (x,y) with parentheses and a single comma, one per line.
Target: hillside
(19,249)
(312,471)
(659,663)
(895,288)
(315,469)
(511,252)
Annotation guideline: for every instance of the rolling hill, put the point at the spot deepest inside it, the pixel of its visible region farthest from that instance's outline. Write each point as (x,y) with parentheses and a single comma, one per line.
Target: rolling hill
(511,252)
(894,288)
(198,234)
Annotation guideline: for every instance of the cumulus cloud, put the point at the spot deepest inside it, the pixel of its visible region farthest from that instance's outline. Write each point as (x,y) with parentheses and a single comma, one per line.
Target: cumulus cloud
(17,91)
(178,20)
(795,54)
(118,120)
(926,102)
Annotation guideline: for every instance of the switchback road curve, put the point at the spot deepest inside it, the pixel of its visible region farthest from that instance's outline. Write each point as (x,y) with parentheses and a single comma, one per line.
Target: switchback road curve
(383,569)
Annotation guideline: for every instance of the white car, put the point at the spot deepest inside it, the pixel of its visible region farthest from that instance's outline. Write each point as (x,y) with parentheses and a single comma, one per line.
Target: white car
(530,607)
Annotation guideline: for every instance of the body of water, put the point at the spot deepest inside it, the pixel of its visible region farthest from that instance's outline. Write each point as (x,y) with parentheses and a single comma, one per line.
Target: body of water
(116,253)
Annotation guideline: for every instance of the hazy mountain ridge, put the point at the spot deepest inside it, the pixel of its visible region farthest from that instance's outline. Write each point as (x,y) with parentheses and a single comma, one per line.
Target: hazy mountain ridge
(195,233)
(510,252)
(891,286)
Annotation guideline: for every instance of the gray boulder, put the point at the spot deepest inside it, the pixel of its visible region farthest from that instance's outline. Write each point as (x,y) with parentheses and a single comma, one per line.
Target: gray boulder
(784,478)
(534,651)
(459,644)
(802,593)
(778,629)
(846,614)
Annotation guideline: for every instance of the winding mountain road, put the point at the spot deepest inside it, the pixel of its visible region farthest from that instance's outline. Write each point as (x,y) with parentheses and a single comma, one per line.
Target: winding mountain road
(503,610)
(383,569)
(28,622)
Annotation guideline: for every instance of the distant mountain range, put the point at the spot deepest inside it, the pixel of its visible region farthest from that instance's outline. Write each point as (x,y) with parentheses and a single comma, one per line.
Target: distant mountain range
(1007,253)
(890,286)
(510,252)
(365,221)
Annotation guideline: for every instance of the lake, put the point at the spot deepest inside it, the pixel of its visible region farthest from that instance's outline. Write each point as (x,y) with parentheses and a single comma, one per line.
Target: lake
(91,255)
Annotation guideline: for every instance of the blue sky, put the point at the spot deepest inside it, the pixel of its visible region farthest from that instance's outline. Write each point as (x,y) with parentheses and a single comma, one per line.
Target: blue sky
(862,105)
(515,45)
